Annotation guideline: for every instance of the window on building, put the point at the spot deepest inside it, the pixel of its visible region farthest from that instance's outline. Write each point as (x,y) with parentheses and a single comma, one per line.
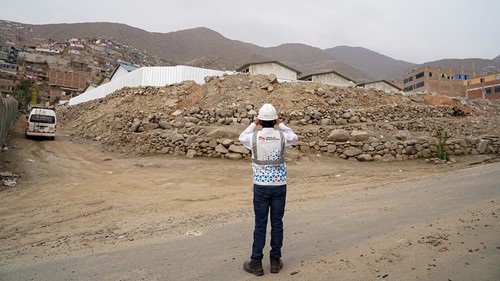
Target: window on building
(409,88)
(481,80)
(430,74)
(407,80)
(466,76)
(419,84)
(487,90)
(442,75)
(419,75)
(458,76)
(497,89)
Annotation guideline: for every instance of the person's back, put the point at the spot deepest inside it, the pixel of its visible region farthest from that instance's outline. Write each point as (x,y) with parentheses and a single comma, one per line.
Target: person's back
(269,184)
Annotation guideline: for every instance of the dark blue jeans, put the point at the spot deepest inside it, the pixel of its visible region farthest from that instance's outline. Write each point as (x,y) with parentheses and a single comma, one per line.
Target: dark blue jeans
(265,199)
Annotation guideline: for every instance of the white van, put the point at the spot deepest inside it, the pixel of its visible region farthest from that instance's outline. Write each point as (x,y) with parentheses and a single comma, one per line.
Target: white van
(41,122)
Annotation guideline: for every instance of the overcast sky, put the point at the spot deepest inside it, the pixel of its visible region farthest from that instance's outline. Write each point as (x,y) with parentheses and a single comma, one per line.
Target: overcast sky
(409,30)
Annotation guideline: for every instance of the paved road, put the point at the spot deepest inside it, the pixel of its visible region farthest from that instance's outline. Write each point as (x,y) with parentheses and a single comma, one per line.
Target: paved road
(348,219)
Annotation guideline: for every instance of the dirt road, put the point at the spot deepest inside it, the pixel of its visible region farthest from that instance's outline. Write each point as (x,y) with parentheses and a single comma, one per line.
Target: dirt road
(78,213)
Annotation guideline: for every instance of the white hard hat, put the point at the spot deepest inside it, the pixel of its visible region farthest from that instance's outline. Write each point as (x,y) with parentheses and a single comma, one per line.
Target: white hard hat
(267,112)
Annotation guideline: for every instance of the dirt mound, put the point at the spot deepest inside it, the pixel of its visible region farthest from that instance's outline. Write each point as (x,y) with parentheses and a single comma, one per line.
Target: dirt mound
(133,117)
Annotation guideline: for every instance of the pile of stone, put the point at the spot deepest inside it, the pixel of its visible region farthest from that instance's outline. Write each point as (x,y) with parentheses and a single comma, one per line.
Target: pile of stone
(349,123)
(200,133)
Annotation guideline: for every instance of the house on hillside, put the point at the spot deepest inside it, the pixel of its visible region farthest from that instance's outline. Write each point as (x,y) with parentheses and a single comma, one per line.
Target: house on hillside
(483,87)
(9,77)
(282,71)
(63,84)
(381,85)
(330,78)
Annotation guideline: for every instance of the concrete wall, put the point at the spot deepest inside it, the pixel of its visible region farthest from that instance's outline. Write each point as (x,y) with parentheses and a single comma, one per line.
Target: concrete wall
(121,71)
(273,68)
(331,79)
(381,86)
(8,113)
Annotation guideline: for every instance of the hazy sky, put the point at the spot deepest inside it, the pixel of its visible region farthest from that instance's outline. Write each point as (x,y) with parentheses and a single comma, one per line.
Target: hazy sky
(413,31)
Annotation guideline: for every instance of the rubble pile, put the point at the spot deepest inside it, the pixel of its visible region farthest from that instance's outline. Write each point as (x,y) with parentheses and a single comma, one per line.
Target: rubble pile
(346,122)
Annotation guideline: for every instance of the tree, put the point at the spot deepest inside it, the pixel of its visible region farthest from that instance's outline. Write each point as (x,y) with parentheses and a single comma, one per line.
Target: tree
(22,92)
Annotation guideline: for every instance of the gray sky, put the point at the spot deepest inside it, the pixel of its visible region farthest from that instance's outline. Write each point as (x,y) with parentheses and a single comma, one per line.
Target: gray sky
(409,30)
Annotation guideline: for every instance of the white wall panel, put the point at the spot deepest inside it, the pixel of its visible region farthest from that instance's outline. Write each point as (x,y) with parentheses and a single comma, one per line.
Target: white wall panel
(157,76)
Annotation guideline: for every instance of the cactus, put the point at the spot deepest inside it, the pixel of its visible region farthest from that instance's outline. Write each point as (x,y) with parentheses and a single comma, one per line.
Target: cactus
(442,152)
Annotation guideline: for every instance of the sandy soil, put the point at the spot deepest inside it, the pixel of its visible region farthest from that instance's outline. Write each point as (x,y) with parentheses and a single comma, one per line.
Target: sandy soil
(72,197)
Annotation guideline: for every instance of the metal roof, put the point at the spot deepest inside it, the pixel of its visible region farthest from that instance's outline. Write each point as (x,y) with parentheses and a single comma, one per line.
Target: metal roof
(378,81)
(326,72)
(265,62)
(149,76)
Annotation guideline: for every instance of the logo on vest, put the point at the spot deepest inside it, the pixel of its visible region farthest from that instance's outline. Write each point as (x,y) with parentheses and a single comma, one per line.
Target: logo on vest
(262,138)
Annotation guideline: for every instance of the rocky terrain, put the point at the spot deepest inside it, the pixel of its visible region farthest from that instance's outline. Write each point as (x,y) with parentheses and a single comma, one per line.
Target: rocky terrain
(350,123)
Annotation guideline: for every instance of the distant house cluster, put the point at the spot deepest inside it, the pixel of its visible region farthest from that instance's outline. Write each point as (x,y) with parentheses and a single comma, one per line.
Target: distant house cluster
(61,70)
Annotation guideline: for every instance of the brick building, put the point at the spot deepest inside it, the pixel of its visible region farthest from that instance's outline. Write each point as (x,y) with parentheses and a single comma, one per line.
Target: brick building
(442,80)
(483,87)
(8,69)
(65,84)
(8,77)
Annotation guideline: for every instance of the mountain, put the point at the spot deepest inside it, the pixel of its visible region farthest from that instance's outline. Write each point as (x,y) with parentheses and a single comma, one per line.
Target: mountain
(201,47)
(479,66)
(376,65)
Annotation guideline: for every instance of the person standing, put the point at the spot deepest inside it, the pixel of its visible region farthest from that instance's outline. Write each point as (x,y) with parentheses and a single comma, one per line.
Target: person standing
(269,184)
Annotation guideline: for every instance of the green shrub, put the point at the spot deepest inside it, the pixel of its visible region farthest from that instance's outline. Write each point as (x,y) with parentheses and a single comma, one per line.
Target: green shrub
(442,151)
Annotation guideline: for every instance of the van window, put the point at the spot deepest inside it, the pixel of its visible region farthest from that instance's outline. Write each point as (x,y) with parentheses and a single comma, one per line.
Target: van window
(43,119)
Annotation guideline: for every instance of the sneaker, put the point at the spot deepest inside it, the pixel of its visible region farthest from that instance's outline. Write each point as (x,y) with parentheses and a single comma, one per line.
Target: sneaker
(276,265)
(254,267)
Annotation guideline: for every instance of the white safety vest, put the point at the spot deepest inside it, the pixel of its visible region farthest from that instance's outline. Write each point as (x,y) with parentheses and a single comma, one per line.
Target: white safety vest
(268,158)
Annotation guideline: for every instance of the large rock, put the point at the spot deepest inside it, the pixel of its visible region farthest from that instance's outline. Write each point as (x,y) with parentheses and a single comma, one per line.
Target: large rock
(165,124)
(239,149)
(179,123)
(233,156)
(352,151)
(177,137)
(135,126)
(338,135)
(194,110)
(222,134)
(359,136)
(221,149)
(402,135)
(227,142)
(365,157)
(150,126)
(483,144)
(191,153)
